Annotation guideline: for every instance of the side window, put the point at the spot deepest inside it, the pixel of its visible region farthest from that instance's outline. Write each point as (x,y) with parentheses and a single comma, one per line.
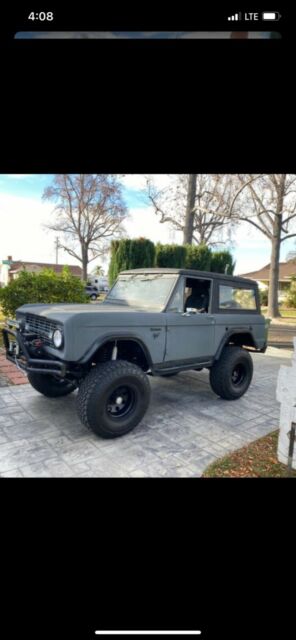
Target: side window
(198,293)
(236,298)
(177,302)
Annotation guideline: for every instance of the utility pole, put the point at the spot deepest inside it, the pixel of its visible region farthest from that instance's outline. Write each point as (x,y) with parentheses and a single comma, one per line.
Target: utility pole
(57,249)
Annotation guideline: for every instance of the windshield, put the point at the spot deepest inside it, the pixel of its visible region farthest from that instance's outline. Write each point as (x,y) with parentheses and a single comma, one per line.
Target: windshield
(143,290)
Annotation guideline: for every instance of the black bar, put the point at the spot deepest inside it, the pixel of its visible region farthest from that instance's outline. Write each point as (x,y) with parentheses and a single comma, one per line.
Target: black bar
(291,447)
(31,362)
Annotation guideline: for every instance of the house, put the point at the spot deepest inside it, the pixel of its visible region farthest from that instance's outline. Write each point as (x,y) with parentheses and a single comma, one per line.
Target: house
(286,271)
(10,269)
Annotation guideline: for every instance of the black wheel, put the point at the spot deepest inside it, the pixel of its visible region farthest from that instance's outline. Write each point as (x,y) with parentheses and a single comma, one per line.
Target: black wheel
(93,296)
(51,386)
(231,375)
(113,398)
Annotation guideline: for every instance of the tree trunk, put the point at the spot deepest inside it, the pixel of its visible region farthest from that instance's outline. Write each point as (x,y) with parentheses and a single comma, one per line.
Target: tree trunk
(189,216)
(273,305)
(84,255)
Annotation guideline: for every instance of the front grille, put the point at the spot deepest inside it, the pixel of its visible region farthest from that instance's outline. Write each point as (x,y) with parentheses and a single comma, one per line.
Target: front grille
(43,327)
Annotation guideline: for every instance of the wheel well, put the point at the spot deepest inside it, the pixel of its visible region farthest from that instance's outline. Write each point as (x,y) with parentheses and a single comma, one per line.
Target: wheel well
(241,340)
(129,350)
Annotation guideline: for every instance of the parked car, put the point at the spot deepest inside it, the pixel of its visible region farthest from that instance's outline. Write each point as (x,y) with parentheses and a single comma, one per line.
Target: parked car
(154,322)
(100,283)
(92,292)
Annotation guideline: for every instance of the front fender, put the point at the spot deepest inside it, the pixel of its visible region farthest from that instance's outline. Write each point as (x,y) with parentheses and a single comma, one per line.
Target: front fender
(110,337)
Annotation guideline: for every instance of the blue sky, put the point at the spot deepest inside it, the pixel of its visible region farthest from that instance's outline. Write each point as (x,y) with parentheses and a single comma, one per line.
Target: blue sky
(25,238)
(33,185)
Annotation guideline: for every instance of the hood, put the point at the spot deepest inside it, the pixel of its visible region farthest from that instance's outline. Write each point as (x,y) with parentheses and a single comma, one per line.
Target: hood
(61,312)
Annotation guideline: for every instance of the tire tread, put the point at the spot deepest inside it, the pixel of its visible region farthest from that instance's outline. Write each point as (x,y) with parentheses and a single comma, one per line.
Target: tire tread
(104,373)
(219,372)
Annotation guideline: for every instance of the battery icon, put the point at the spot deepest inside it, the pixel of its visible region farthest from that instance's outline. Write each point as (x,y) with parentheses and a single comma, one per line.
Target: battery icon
(271,15)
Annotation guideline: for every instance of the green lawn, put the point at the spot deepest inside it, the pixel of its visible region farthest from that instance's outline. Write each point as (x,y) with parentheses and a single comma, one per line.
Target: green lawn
(256,460)
(285,313)
(288,313)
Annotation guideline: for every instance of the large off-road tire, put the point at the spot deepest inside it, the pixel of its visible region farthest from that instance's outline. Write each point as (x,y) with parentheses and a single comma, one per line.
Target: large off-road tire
(231,375)
(113,398)
(51,386)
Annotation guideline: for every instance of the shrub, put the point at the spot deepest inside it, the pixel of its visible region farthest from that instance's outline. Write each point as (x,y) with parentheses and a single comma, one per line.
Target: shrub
(44,287)
(222,262)
(130,254)
(141,253)
(112,274)
(291,295)
(198,257)
(263,293)
(170,255)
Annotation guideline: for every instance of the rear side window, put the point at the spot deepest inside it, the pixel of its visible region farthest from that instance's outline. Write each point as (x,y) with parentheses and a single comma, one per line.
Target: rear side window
(236,298)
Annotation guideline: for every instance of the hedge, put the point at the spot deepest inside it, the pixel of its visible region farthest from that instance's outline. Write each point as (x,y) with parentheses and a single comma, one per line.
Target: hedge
(198,257)
(222,262)
(44,287)
(130,254)
(141,253)
(170,255)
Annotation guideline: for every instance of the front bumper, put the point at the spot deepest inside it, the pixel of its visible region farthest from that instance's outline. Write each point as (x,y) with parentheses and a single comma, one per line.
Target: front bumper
(17,349)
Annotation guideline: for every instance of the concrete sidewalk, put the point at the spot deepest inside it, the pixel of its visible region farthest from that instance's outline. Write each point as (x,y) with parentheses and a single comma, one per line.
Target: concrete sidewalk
(185,429)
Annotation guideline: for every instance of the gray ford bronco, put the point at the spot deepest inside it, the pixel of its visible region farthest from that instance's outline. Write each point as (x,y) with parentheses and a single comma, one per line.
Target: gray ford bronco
(152,322)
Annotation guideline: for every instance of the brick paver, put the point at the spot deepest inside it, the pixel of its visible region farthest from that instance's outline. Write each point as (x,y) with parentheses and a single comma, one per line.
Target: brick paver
(9,373)
(186,428)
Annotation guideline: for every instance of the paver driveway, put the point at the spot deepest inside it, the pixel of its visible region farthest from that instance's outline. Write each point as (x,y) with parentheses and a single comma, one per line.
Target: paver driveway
(186,427)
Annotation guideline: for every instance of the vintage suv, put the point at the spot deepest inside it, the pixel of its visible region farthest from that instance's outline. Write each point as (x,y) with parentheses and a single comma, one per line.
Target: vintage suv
(153,321)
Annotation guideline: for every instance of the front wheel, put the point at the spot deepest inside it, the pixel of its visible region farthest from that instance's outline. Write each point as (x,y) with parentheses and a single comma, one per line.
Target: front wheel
(113,398)
(231,375)
(51,386)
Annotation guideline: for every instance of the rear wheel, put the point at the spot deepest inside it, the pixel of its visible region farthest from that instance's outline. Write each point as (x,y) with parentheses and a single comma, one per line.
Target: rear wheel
(51,386)
(231,375)
(113,398)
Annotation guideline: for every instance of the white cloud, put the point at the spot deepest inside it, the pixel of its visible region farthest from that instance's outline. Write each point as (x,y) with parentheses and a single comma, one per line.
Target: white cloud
(19,176)
(22,235)
(143,222)
(137,181)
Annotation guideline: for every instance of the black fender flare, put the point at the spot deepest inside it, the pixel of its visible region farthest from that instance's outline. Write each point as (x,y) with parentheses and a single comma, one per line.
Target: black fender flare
(229,334)
(112,338)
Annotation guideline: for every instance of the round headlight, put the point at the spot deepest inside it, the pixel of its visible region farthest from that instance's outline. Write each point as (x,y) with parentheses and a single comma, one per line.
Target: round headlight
(57,338)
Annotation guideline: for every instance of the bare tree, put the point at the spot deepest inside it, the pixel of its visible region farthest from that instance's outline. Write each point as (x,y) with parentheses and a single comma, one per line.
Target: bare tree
(89,211)
(268,203)
(198,205)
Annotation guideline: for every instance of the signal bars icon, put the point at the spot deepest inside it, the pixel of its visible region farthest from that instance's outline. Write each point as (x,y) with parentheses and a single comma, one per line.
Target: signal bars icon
(236,16)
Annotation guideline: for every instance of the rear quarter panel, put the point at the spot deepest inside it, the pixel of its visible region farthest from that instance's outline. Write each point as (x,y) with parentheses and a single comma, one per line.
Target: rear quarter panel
(253,323)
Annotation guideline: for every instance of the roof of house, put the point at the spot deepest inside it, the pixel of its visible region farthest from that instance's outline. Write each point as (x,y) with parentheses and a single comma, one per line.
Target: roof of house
(19,265)
(286,271)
